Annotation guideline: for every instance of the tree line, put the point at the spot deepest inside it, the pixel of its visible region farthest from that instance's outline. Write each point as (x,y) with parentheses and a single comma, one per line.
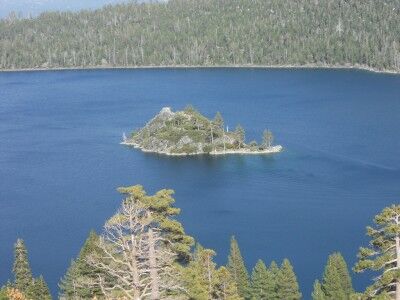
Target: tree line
(143,252)
(208,33)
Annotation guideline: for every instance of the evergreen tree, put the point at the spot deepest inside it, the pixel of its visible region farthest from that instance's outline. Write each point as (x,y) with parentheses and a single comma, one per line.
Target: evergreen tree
(318,293)
(383,254)
(203,281)
(3,293)
(268,138)
(273,288)
(219,121)
(21,269)
(73,285)
(336,282)
(225,288)
(39,290)
(238,269)
(287,286)
(164,213)
(262,282)
(240,135)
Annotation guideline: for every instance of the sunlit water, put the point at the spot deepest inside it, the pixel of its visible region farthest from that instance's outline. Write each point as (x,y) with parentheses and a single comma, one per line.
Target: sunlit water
(61,162)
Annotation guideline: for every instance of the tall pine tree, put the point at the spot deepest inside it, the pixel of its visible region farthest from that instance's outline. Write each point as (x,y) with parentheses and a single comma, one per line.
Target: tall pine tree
(39,290)
(336,283)
(383,254)
(318,293)
(262,283)
(21,269)
(287,286)
(238,269)
(73,284)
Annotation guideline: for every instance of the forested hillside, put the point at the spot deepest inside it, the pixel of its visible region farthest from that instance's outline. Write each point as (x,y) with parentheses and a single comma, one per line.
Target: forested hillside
(208,33)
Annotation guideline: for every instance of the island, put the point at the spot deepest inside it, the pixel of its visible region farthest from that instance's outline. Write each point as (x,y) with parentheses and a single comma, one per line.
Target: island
(188,132)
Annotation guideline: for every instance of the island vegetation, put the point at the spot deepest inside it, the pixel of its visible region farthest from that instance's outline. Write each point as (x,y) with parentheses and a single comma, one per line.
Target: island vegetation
(143,252)
(346,33)
(188,132)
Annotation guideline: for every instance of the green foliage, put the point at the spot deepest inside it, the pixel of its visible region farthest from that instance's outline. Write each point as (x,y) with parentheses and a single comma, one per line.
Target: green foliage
(73,285)
(39,290)
(382,253)
(208,32)
(287,286)
(318,293)
(219,121)
(203,281)
(263,285)
(240,135)
(3,293)
(336,283)
(238,269)
(187,132)
(164,213)
(33,288)
(21,269)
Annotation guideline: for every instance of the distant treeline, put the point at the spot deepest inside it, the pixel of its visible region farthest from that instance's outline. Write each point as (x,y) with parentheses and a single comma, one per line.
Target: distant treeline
(209,33)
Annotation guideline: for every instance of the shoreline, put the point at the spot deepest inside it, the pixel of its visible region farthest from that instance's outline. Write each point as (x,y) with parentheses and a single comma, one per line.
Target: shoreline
(271,150)
(307,66)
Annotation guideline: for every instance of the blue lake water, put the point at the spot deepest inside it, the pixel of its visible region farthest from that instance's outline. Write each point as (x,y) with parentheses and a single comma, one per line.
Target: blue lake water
(61,162)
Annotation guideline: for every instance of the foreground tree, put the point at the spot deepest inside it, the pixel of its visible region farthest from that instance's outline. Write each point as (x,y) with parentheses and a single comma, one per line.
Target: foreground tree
(171,233)
(318,293)
(238,269)
(203,281)
(25,284)
(21,269)
(336,283)
(39,290)
(287,286)
(383,254)
(135,260)
(263,285)
(74,285)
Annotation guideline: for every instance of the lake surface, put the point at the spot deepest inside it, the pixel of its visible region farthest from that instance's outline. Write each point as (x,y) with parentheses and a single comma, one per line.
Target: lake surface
(61,162)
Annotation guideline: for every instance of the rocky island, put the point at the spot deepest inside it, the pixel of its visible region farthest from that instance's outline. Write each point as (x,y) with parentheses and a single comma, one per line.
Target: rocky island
(188,132)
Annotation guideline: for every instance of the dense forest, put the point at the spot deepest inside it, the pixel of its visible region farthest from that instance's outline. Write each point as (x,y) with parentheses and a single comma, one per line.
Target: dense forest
(209,33)
(143,252)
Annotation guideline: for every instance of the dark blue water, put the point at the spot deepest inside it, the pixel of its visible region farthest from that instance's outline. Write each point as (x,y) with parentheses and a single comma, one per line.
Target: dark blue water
(60,161)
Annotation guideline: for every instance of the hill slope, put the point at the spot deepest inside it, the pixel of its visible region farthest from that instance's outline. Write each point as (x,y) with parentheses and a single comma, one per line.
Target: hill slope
(208,33)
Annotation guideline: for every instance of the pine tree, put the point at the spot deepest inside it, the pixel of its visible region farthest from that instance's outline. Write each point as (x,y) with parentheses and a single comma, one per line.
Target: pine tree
(262,283)
(240,135)
(219,121)
(274,271)
(225,288)
(203,281)
(238,269)
(39,290)
(287,286)
(163,211)
(343,271)
(318,293)
(21,269)
(268,138)
(73,283)
(383,254)
(336,283)
(199,276)
(3,293)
